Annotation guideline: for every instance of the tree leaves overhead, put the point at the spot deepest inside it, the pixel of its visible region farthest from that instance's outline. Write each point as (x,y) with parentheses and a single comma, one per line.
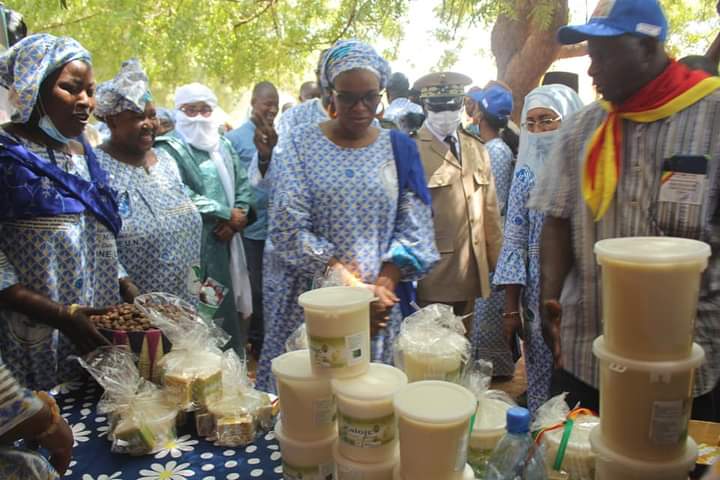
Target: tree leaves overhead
(691,21)
(228,44)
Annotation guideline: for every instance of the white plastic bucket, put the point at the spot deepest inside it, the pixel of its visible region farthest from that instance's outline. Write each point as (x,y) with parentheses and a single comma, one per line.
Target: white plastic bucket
(307,405)
(434,423)
(488,430)
(613,466)
(650,290)
(350,470)
(367,429)
(645,406)
(306,460)
(338,329)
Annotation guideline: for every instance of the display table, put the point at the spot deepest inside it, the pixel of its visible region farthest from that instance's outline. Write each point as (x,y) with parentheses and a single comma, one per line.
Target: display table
(187,457)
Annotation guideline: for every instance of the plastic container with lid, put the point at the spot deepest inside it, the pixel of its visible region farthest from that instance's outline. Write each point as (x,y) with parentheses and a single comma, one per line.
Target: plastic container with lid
(610,465)
(307,405)
(366,416)
(347,469)
(488,429)
(306,460)
(467,474)
(338,329)
(645,405)
(433,423)
(650,289)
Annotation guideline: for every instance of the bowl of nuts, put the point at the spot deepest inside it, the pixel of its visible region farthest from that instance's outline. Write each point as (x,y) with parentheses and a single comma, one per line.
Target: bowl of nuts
(126,324)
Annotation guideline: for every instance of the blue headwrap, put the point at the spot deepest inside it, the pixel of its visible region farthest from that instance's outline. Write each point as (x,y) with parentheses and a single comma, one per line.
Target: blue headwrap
(350,55)
(165,114)
(30,61)
(129,90)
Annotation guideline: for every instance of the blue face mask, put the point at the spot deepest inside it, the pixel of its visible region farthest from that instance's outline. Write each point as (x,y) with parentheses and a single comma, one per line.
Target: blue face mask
(474,128)
(47,126)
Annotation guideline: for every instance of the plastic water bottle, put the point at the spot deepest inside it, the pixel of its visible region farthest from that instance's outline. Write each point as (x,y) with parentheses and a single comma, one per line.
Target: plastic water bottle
(516,456)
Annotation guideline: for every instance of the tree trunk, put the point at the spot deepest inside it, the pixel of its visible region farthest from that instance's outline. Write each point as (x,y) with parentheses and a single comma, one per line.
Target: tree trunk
(524,50)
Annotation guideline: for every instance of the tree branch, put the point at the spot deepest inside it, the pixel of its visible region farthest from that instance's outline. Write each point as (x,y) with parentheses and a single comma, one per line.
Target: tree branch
(71,22)
(256,15)
(573,51)
(348,24)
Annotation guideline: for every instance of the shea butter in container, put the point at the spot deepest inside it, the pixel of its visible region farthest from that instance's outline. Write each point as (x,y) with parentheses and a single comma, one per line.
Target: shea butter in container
(307,405)
(366,416)
(306,460)
(611,465)
(434,424)
(645,405)
(351,470)
(337,320)
(650,290)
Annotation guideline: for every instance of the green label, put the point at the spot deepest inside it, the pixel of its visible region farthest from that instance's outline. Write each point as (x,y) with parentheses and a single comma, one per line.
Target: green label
(366,433)
(316,472)
(339,352)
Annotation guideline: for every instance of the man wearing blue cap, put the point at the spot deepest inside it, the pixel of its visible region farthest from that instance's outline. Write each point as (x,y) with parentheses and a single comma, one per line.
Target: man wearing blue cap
(611,164)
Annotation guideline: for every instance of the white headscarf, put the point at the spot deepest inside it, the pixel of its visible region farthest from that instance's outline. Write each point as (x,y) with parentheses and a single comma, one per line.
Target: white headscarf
(535,147)
(200,132)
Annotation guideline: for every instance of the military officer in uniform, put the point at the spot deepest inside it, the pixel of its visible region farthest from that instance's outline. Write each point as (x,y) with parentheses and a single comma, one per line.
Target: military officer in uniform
(467,220)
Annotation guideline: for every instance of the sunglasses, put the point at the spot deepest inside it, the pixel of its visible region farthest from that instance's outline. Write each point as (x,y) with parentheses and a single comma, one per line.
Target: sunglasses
(349,100)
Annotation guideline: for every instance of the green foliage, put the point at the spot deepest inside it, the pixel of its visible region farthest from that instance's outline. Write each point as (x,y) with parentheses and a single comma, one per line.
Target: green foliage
(227,44)
(692,22)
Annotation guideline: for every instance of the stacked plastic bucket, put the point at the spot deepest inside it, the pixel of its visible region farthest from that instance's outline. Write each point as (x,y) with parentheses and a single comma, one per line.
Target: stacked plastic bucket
(650,290)
(336,408)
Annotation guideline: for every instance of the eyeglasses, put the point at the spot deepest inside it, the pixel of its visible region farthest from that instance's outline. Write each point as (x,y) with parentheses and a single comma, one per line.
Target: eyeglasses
(350,100)
(205,111)
(543,123)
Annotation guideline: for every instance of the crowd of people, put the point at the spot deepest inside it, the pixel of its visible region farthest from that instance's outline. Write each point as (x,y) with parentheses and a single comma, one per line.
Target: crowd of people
(434,198)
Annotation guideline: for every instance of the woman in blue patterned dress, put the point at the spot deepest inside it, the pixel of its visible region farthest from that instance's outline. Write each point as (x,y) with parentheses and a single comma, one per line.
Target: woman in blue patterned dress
(518,269)
(58,217)
(159,244)
(33,417)
(341,200)
(491,112)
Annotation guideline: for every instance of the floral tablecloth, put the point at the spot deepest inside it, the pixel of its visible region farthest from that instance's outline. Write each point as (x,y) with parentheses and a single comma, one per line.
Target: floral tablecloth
(188,457)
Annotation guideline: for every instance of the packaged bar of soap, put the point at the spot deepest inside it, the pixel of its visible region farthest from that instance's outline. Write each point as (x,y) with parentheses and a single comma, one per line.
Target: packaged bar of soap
(205,424)
(140,415)
(132,438)
(235,431)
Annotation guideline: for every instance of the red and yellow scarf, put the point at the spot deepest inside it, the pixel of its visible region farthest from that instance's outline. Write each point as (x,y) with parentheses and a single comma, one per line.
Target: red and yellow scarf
(674,90)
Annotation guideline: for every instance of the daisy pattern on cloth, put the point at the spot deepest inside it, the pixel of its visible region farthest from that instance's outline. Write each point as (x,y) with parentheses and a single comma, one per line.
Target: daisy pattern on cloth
(114,476)
(176,447)
(80,433)
(170,471)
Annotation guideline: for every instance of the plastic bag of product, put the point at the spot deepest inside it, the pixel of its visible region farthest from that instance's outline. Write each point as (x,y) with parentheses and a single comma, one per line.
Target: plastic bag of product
(192,371)
(141,416)
(490,418)
(237,384)
(297,340)
(233,418)
(432,345)
(565,435)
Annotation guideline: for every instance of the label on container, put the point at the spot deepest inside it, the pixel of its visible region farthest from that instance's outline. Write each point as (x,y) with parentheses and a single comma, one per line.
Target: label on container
(668,423)
(461,458)
(366,432)
(324,411)
(325,471)
(339,352)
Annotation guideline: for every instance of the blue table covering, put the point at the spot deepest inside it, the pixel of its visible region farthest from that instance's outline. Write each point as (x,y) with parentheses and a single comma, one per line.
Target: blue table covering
(188,457)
